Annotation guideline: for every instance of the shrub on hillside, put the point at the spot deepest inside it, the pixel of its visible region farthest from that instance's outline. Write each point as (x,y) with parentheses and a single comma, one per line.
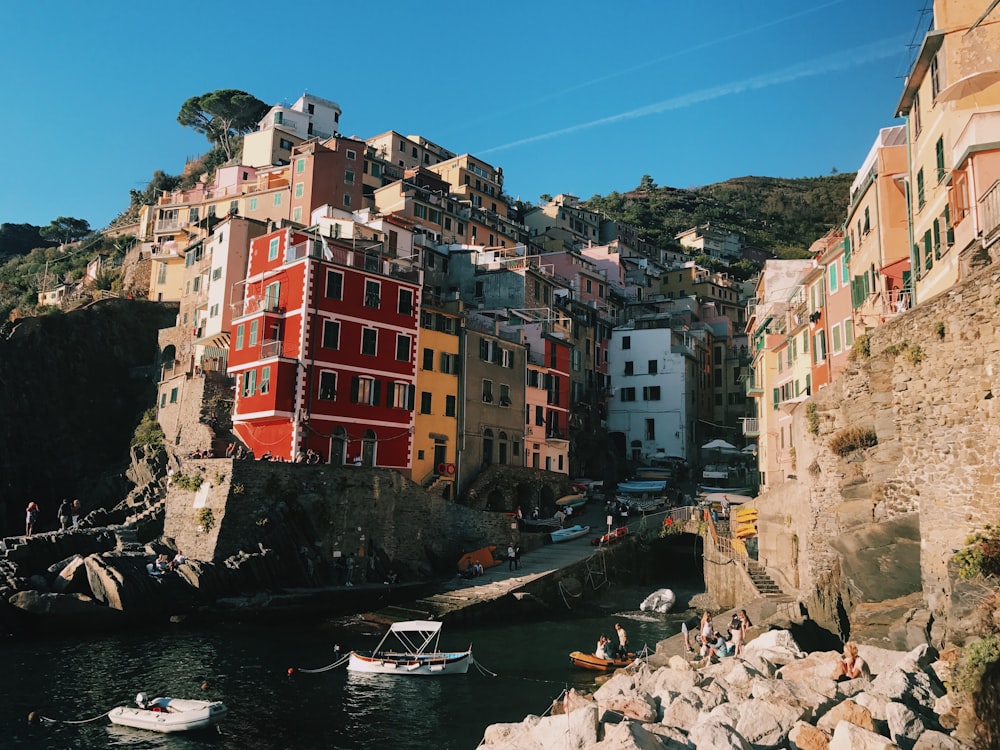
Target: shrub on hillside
(148,432)
(853,438)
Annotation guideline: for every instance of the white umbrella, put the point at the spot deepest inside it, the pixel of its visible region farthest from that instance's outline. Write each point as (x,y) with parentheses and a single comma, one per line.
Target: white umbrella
(969,85)
(718,445)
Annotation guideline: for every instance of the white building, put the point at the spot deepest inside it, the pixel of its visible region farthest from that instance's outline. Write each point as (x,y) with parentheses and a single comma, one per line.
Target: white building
(283,128)
(655,385)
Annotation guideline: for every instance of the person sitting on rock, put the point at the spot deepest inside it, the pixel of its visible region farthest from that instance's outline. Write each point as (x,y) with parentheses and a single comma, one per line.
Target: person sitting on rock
(851,666)
(720,647)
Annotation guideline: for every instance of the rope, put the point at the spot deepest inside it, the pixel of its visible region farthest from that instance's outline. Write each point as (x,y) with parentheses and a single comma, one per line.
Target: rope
(49,720)
(340,662)
(482,669)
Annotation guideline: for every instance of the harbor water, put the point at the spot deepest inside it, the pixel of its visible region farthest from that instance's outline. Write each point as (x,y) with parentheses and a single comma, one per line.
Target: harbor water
(521,667)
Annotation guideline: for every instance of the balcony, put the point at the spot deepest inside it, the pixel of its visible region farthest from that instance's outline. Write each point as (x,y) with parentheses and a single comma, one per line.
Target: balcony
(271,348)
(751,427)
(989,213)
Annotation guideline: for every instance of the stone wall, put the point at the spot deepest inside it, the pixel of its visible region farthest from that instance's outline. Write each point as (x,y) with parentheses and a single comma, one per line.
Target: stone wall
(927,391)
(326,510)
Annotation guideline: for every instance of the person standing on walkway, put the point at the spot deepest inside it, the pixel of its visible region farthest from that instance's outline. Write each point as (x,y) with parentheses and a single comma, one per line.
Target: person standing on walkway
(517,556)
(31,519)
(350,569)
(65,514)
(511,556)
(76,514)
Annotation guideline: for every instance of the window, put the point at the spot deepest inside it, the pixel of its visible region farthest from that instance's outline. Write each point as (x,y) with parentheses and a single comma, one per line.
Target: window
(272,248)
(626,342)
(845,271)
(652,367)
(369,341)
(254,329)
(334,285)
(487,391)
(297,214)
(835,337)
(449,363)
(331,334)
(277,199)
(402,348)
(848,333)
(300,166)
(352,154)
(915,114)
(347,199)
(939,157)
(920,188)
(173,395)
(651,393)
(650,429)
(285,144)
(428,359)
(349,177)
(628,394)
(868,220)
(405,306)
(504,394)
(425,402)
(253,204)
(832,272)
(935,76)
(400,396)
(539,416)
(249,383)
(239,337)
(364,390)
(327,386)
(372,294)
(819,346)
(265,379)
(449,406)
(629,368)
(272,295)
(300,189)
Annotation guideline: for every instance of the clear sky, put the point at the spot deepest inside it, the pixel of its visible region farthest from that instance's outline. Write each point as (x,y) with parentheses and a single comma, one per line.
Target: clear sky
(578,97)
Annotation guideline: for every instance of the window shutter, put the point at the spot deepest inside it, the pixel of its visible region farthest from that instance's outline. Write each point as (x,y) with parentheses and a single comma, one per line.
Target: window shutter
(355,383)
(776,397)
(376,391)
(411,395)
(390,396)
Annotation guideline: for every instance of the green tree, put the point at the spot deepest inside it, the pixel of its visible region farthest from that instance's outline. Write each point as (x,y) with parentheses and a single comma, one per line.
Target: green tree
(65,229)
(18,239)
(223,116)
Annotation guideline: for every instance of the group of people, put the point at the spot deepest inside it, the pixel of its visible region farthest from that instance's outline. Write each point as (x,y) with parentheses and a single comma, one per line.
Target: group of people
(235,450)
(309,456)
(713,643)
(513,556)
(606,648)
(165,564)
(68,516)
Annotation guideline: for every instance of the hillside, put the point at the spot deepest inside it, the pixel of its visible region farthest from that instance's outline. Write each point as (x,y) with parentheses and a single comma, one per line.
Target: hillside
(784,216)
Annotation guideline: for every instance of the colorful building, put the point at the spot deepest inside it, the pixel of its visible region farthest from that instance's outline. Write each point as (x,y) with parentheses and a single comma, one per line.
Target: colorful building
(323,350)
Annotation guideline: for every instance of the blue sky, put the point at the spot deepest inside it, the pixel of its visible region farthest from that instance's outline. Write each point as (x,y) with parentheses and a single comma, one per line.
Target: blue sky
(582,98)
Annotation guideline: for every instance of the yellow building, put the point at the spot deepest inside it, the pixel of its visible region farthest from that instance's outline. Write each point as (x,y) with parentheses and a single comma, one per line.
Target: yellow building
(438,405)
(950,101)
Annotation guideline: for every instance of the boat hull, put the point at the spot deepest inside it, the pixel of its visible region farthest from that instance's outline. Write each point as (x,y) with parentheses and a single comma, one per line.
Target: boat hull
(427,665)
(572,501)
(566,535)
(174,715)
(596,663)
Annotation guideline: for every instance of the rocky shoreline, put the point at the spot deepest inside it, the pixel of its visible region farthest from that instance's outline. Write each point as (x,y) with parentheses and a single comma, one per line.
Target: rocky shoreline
(772,696)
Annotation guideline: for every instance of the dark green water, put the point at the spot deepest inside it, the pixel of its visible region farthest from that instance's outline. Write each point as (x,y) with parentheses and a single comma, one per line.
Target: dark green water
(246,666)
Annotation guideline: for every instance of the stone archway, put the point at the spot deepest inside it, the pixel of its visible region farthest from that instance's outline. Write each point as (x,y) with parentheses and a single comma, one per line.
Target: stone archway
(547,500)
(526,498)
(496,500)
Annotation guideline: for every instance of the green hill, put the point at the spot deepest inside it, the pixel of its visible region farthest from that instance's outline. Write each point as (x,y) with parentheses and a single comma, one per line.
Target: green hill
(784,216)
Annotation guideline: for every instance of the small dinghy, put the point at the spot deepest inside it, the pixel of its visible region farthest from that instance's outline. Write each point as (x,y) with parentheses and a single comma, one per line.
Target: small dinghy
(569,534)
(168,714)
(660,601)
(598,663)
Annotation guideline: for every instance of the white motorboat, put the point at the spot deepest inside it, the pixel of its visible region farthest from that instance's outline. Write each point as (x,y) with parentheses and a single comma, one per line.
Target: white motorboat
(411,648)
(168,714)
(660,601)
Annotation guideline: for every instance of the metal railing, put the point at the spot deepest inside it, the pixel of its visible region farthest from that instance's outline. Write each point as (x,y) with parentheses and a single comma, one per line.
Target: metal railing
(989,212)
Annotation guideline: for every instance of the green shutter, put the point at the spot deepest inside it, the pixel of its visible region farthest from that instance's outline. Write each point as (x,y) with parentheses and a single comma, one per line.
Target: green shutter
(776,398)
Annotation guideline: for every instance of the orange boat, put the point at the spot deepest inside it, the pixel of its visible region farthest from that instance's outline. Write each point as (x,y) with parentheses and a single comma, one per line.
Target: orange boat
(589,661)
(614,536)
(482,556)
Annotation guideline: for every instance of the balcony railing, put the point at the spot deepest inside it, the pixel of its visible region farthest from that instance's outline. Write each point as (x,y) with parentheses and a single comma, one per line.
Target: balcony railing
(271,348)
(751,426)
(989,211)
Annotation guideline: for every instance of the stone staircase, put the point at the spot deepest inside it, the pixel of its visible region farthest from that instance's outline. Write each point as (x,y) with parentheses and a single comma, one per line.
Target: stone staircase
(764,583)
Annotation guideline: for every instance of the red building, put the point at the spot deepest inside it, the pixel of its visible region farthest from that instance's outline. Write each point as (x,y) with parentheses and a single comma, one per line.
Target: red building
(323,350)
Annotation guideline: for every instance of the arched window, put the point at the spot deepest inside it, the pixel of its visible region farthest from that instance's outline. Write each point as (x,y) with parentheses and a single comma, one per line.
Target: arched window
(503,446)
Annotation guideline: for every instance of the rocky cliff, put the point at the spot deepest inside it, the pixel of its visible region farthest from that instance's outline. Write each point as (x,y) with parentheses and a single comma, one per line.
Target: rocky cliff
(866,537)
(74,386)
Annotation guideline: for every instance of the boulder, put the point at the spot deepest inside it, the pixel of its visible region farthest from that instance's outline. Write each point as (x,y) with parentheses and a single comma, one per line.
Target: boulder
(577,729)
(65,612)
(905,726)
(848,736)
(848,711)
(767,724)
(934,740)
(72,577)
(805,736)
(714,735)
